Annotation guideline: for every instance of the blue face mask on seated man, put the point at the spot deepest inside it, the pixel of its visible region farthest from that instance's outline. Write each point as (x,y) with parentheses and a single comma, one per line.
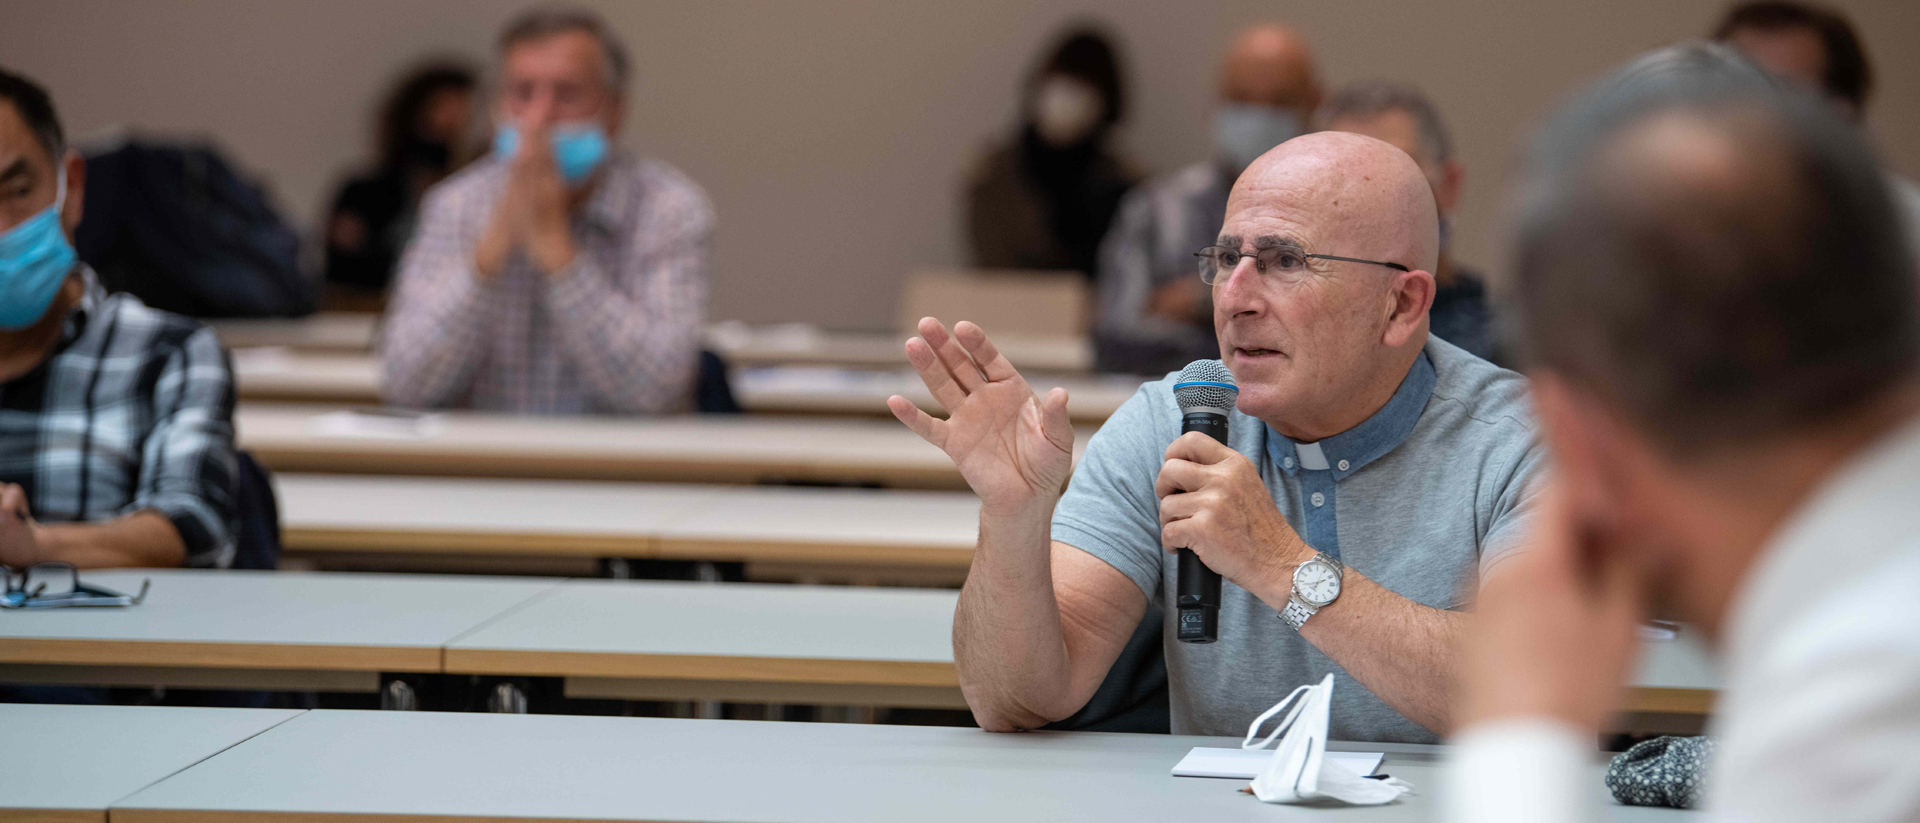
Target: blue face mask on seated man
(35,259)
(1242,131)
(578,148)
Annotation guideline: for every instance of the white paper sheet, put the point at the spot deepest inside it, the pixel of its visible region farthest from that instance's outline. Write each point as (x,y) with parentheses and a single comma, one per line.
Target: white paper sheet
(1247,763)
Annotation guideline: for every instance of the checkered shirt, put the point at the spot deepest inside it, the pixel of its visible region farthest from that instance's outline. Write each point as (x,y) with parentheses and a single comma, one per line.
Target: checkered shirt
(618,331)
(133,411)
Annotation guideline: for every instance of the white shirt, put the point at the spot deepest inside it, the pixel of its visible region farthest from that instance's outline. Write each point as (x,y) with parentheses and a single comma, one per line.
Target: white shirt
(1820,717)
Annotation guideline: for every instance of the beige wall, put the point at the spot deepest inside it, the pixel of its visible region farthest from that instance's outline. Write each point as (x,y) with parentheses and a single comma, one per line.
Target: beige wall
(834,135)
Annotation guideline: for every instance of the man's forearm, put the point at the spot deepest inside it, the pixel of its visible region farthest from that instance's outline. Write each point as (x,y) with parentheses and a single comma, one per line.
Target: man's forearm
(1403,652)
(1008,642)
(144,538)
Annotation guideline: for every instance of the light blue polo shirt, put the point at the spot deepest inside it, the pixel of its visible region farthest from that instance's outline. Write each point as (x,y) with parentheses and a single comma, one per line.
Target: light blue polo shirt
(1423,497)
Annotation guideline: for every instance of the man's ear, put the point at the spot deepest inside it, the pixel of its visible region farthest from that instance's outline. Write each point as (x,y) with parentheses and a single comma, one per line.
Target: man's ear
(1408,299)
(76,204)
(1585,442)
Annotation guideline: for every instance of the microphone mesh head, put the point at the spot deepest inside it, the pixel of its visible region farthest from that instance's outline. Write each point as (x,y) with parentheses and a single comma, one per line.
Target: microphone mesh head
(1205,384)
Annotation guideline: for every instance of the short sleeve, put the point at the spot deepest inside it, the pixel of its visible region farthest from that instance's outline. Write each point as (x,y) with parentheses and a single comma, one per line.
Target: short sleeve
(1109,510)
(1514,504)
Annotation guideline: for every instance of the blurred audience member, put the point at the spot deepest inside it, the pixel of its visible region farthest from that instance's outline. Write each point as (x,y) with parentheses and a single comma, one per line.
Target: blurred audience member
(423,127)
(1153,315)
(558,275)
(116,430)
(1816,48)
(1402,115)
(1043,200)
(1719,311)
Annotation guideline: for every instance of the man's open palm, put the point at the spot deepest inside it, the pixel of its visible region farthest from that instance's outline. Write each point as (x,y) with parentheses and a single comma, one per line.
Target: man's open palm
(1012,448)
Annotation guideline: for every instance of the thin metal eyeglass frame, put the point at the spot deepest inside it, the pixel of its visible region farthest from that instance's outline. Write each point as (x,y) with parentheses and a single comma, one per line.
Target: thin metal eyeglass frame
(1202,254)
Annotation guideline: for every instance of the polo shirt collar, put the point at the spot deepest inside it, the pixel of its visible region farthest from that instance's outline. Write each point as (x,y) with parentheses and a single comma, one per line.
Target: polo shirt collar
(1351,450)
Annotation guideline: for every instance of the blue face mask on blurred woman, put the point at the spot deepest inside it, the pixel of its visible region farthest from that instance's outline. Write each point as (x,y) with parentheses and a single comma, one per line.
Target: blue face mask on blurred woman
(578,148)
(1242,132)
(35,259)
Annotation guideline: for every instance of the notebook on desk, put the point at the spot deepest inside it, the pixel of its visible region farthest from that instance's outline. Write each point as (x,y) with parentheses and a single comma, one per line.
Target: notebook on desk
(1247,763)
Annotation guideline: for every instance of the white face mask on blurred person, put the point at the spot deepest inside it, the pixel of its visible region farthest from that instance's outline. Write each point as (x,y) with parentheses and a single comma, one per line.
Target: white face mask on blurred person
(1242,131)
(1065,110)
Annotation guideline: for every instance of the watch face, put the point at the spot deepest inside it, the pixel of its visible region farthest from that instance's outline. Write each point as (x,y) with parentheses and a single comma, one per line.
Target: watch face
(1316,582)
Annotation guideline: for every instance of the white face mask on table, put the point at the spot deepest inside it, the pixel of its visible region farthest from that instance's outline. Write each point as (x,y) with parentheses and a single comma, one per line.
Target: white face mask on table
(1299,771)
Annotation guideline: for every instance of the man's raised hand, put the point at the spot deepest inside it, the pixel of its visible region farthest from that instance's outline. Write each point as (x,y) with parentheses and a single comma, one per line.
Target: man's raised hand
(1015,450)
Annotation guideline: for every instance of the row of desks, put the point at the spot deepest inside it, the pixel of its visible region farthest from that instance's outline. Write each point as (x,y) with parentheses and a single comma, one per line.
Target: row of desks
(279,375)
(334,514)
(341,333)
(164,765)
(702,448)
(645,640)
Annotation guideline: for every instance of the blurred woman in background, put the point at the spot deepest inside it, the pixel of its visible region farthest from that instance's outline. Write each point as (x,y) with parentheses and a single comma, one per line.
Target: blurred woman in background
(1044,199)
(423,131)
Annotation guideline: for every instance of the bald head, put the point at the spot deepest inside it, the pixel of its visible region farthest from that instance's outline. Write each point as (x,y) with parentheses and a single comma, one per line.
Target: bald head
(1371,199)
(1270,65)
(1318,344)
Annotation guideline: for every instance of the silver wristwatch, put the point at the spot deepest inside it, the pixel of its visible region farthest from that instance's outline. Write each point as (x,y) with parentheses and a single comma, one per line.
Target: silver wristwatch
(1315,584)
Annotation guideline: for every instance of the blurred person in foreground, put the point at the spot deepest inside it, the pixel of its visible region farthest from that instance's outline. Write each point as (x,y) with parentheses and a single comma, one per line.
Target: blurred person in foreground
(1388,468)
(1816,48)
(1403,116)
(558,275)
(423,127)
(1044,200)
(1719,310)
(1152,316)
(116,420)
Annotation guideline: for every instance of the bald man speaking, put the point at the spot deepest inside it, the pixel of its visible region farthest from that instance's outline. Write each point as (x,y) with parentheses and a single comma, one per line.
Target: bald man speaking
(1361,449)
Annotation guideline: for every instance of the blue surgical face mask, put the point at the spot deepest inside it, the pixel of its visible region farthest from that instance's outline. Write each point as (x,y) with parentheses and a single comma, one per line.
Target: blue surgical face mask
(578,148)
(35,258)
(1242,132)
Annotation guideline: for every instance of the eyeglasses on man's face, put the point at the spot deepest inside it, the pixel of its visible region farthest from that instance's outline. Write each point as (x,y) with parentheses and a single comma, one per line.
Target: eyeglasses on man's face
(1287,264)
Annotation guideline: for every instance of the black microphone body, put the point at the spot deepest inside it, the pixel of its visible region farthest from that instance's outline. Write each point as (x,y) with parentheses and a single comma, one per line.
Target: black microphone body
(1198,592)
(1205,391)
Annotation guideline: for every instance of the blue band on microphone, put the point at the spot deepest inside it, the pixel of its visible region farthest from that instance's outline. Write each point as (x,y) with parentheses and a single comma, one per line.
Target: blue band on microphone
(1228,386)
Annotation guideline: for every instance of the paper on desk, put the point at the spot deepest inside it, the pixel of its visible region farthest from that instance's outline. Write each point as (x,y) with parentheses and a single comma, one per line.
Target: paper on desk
(377,425)
(1247,763)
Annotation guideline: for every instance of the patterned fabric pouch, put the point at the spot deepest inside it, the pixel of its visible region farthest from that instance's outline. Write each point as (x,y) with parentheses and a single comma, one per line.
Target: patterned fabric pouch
(1664,771)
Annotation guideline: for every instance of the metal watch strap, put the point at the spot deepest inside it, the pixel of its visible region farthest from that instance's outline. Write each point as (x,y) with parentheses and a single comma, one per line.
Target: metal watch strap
(1297,612)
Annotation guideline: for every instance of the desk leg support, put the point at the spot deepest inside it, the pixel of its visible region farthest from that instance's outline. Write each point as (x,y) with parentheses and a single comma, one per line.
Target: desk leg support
(399,696)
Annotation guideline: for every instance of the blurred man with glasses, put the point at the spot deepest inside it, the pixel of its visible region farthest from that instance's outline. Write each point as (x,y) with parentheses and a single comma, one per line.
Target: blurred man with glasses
(1359,444)
(560,275)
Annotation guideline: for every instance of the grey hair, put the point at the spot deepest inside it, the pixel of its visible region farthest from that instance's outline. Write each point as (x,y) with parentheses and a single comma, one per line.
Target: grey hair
(547,20)
(1712,309)
(1375,97)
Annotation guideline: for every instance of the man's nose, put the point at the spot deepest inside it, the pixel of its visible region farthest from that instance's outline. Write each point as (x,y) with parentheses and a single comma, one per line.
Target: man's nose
(541,110)
(1241,291)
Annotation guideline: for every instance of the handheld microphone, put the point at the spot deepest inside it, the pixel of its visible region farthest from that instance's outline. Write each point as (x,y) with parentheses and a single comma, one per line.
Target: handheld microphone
(1205,392)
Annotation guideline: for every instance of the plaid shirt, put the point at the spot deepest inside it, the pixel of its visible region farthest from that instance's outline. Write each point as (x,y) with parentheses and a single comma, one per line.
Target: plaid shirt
(617,331)
(133,411)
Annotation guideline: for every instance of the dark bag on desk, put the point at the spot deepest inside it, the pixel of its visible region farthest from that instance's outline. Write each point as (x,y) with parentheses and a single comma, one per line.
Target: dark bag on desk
(176,226)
